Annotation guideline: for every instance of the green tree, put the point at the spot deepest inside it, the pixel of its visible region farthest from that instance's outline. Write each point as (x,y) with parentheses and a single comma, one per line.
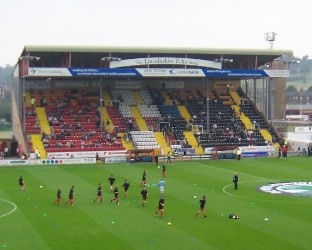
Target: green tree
(291,88)
(5,111)
(305,65)
(293,67)
(5,76)
(309,89)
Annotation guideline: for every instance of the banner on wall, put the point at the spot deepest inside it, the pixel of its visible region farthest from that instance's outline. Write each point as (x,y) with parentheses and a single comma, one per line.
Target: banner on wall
(157,72)
(165,61)
(48,72)
(303,129)
(19,162)
(68,161)
(86,154)
(116,160)
(164,72)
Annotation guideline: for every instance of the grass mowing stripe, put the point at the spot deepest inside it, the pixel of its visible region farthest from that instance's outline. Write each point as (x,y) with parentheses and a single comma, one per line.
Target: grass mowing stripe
(90,225)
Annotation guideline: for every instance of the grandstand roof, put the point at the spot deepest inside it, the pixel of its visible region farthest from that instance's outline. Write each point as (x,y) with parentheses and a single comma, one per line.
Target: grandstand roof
(168,50)
(89,56)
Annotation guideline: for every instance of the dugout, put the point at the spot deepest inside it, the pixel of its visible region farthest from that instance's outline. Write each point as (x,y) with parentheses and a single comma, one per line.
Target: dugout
(141,155)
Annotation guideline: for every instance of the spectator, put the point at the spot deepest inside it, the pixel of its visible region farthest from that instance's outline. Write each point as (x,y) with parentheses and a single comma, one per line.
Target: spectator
(130,122)
(33,102)
(58,144)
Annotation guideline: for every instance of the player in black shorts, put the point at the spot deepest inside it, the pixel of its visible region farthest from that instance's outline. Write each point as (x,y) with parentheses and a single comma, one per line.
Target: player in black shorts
(144,194)
(161,205)
(156,160)
(111,180)
(58,196)
(21,182)
(126,186)
(116,195)
(163,170)
(202,202)
(71,196)
(99,194)
(143,182)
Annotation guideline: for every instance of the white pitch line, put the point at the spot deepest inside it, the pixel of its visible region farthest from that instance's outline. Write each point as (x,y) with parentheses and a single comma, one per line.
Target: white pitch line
(15,207)
(253,176)
(257,199)
(244,197)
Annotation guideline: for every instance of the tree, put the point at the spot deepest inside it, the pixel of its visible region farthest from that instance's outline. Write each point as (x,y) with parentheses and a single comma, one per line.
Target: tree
(5,111)
(291,88)
(5,77)
(305,65)
(5,74)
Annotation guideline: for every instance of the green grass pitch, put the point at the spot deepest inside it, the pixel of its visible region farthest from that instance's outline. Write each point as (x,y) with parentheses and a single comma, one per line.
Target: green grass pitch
(37,223)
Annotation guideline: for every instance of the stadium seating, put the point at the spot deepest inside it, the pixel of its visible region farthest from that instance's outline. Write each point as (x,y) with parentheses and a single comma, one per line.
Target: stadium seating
(68,108)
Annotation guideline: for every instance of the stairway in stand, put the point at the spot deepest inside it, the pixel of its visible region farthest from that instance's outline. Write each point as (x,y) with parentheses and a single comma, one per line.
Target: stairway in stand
(44,123)
(138,117)
(189,136)
(184,113)
(162,142)
(127,145)
(246,121)
(235,97)
(37,143)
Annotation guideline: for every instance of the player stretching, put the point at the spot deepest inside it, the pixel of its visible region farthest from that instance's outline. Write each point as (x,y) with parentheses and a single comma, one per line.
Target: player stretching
(58,196)
(116,195)
(126,186)
(99,194)
(143,182)
(71,197)
(202,202)
(161,208)
(144,194)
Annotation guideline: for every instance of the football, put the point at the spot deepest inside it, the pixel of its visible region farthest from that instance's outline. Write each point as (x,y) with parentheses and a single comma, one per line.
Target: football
(169,224)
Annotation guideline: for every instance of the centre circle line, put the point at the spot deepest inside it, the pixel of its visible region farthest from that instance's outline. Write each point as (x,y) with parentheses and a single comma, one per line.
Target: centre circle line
(15,207)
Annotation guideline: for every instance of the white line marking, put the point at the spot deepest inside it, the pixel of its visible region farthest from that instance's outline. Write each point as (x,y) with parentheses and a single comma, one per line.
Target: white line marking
(244,197)
(262,178)
(15,207)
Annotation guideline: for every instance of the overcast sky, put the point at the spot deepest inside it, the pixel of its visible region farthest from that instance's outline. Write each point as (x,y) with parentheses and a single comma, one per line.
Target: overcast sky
(169,23)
